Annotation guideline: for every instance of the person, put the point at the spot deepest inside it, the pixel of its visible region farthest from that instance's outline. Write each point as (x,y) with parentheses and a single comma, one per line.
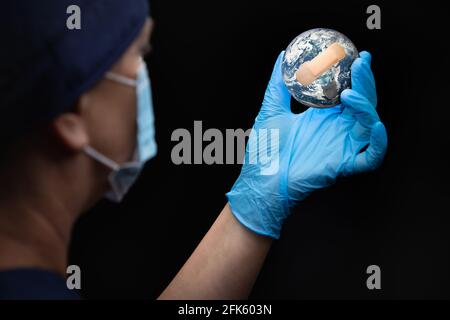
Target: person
(80,126)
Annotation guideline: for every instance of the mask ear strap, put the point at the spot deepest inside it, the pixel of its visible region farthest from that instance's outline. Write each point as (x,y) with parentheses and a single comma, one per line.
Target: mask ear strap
(101,158)
(121,79)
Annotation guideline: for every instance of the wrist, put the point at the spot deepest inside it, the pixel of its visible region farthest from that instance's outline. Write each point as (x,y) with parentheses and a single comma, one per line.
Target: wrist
(257,214)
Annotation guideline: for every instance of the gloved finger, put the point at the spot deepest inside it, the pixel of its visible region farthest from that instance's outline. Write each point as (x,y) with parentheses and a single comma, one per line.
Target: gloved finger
(375,152)
(366,56)
(363,80)
(359,107)
(277,98)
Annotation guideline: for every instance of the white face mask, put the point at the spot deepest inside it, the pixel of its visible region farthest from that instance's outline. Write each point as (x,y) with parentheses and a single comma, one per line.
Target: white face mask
(123,176)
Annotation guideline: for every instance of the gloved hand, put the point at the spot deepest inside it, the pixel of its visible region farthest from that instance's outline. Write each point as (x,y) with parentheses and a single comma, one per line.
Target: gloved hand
(312,149)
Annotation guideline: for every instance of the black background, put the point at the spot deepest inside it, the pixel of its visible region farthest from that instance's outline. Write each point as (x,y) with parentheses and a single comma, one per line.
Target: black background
(211,62)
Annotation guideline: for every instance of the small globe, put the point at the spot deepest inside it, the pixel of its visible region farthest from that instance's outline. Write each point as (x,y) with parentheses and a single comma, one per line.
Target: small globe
(325,90)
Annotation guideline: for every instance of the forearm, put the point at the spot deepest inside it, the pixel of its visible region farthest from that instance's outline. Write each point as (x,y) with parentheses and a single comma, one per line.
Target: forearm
(225,264)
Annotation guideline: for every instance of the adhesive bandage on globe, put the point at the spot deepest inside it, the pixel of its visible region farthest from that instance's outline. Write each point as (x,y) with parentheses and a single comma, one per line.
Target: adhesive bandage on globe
(311,70)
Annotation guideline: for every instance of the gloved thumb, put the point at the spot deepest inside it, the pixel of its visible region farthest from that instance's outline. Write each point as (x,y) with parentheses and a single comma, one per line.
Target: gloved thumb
(277,99)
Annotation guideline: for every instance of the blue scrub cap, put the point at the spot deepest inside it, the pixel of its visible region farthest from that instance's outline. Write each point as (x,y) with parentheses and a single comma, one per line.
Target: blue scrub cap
(45,66)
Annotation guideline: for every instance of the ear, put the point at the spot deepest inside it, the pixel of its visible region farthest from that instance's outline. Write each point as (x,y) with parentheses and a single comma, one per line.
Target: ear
(71,131)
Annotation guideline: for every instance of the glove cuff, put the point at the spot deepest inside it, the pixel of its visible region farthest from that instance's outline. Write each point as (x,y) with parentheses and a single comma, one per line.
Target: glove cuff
(257,215)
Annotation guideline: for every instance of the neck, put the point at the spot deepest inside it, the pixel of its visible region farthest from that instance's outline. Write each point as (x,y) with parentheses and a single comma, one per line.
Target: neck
(43,192)
(35,232)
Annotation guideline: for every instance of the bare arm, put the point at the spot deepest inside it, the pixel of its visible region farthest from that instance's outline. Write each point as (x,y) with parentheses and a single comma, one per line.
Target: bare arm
(225,264)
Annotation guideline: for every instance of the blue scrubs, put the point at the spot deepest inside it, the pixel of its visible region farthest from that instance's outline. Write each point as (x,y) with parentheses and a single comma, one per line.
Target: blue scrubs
(34,284)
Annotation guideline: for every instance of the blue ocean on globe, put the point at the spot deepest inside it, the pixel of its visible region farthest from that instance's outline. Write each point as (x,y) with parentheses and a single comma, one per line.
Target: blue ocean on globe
(325,90)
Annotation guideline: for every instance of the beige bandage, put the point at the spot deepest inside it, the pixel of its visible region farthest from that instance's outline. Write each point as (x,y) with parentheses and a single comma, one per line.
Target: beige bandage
(311,70)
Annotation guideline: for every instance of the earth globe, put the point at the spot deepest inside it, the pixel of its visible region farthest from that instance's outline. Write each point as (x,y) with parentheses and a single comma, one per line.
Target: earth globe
(317,67)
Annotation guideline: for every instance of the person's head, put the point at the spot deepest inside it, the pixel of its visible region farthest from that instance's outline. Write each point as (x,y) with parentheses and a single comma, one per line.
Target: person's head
(71,96)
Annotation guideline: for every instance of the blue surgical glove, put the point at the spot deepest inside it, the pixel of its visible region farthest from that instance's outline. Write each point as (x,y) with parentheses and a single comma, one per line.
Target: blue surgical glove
(307,151)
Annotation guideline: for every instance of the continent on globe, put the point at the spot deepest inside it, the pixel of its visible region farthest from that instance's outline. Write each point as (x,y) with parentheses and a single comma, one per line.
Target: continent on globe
(317,67)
